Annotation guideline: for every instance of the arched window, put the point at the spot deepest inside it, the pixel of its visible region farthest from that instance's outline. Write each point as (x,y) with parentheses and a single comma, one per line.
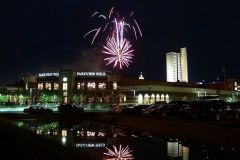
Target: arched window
(167,98)
(162,97)
(152,98)
(157,97)
(146,98)
(140,99)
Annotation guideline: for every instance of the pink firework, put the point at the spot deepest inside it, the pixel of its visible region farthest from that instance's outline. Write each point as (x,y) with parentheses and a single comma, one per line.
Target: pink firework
(123,153)
(118,48)
(107,24)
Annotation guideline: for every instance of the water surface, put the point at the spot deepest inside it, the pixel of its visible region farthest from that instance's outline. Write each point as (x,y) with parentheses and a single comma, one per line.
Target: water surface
(100,139)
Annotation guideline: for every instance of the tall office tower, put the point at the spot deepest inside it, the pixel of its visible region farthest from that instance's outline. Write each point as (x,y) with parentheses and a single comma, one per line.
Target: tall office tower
(176,65)
(173,65)
(184,65)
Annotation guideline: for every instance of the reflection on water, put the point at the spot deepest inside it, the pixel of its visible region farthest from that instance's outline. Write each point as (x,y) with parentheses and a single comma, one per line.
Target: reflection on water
(121,153)
(174,149)
(106,141)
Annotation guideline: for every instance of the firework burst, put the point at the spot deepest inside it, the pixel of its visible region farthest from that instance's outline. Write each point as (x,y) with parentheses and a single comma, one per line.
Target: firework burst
(118,48)
(108,24)
(123,153)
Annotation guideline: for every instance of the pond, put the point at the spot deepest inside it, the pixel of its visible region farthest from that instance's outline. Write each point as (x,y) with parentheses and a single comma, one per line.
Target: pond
(105,142)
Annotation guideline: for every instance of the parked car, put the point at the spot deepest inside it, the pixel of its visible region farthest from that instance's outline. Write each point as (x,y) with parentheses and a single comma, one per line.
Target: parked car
(70,108)
(235,106)
(195,110)
(213,109)
(160,111)
(159,102)
(180,103)
(118,108)
(134,109)
(37,109)
(151,109)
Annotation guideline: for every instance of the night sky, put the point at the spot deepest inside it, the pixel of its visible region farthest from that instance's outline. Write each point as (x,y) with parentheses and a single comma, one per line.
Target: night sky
(48,35)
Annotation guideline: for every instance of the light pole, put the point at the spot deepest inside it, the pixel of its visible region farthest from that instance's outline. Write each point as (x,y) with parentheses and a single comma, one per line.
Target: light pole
(134,94)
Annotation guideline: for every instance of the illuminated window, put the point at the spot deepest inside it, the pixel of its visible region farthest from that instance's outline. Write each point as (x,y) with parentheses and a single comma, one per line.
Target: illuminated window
(48,86)
(91,85)
(80,133)
(65,93)
(90,134)
(64,133)
(124,99)
(115,85)
(235,84)
(38,131)
(157,97)
(102,85)
(65,86)
(65,99)
(146,98)
(167,98)
(101,134)
(80,85)
(40,86)
(56,86)
(140,99)
(162,97)
(152,98)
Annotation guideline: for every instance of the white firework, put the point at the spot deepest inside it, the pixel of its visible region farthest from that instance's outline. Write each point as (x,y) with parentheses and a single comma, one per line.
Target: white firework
(121,153)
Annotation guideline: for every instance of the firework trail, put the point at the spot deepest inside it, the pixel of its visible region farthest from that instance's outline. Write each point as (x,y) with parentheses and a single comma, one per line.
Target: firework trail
(123,153)
(108,24)
(118,48)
